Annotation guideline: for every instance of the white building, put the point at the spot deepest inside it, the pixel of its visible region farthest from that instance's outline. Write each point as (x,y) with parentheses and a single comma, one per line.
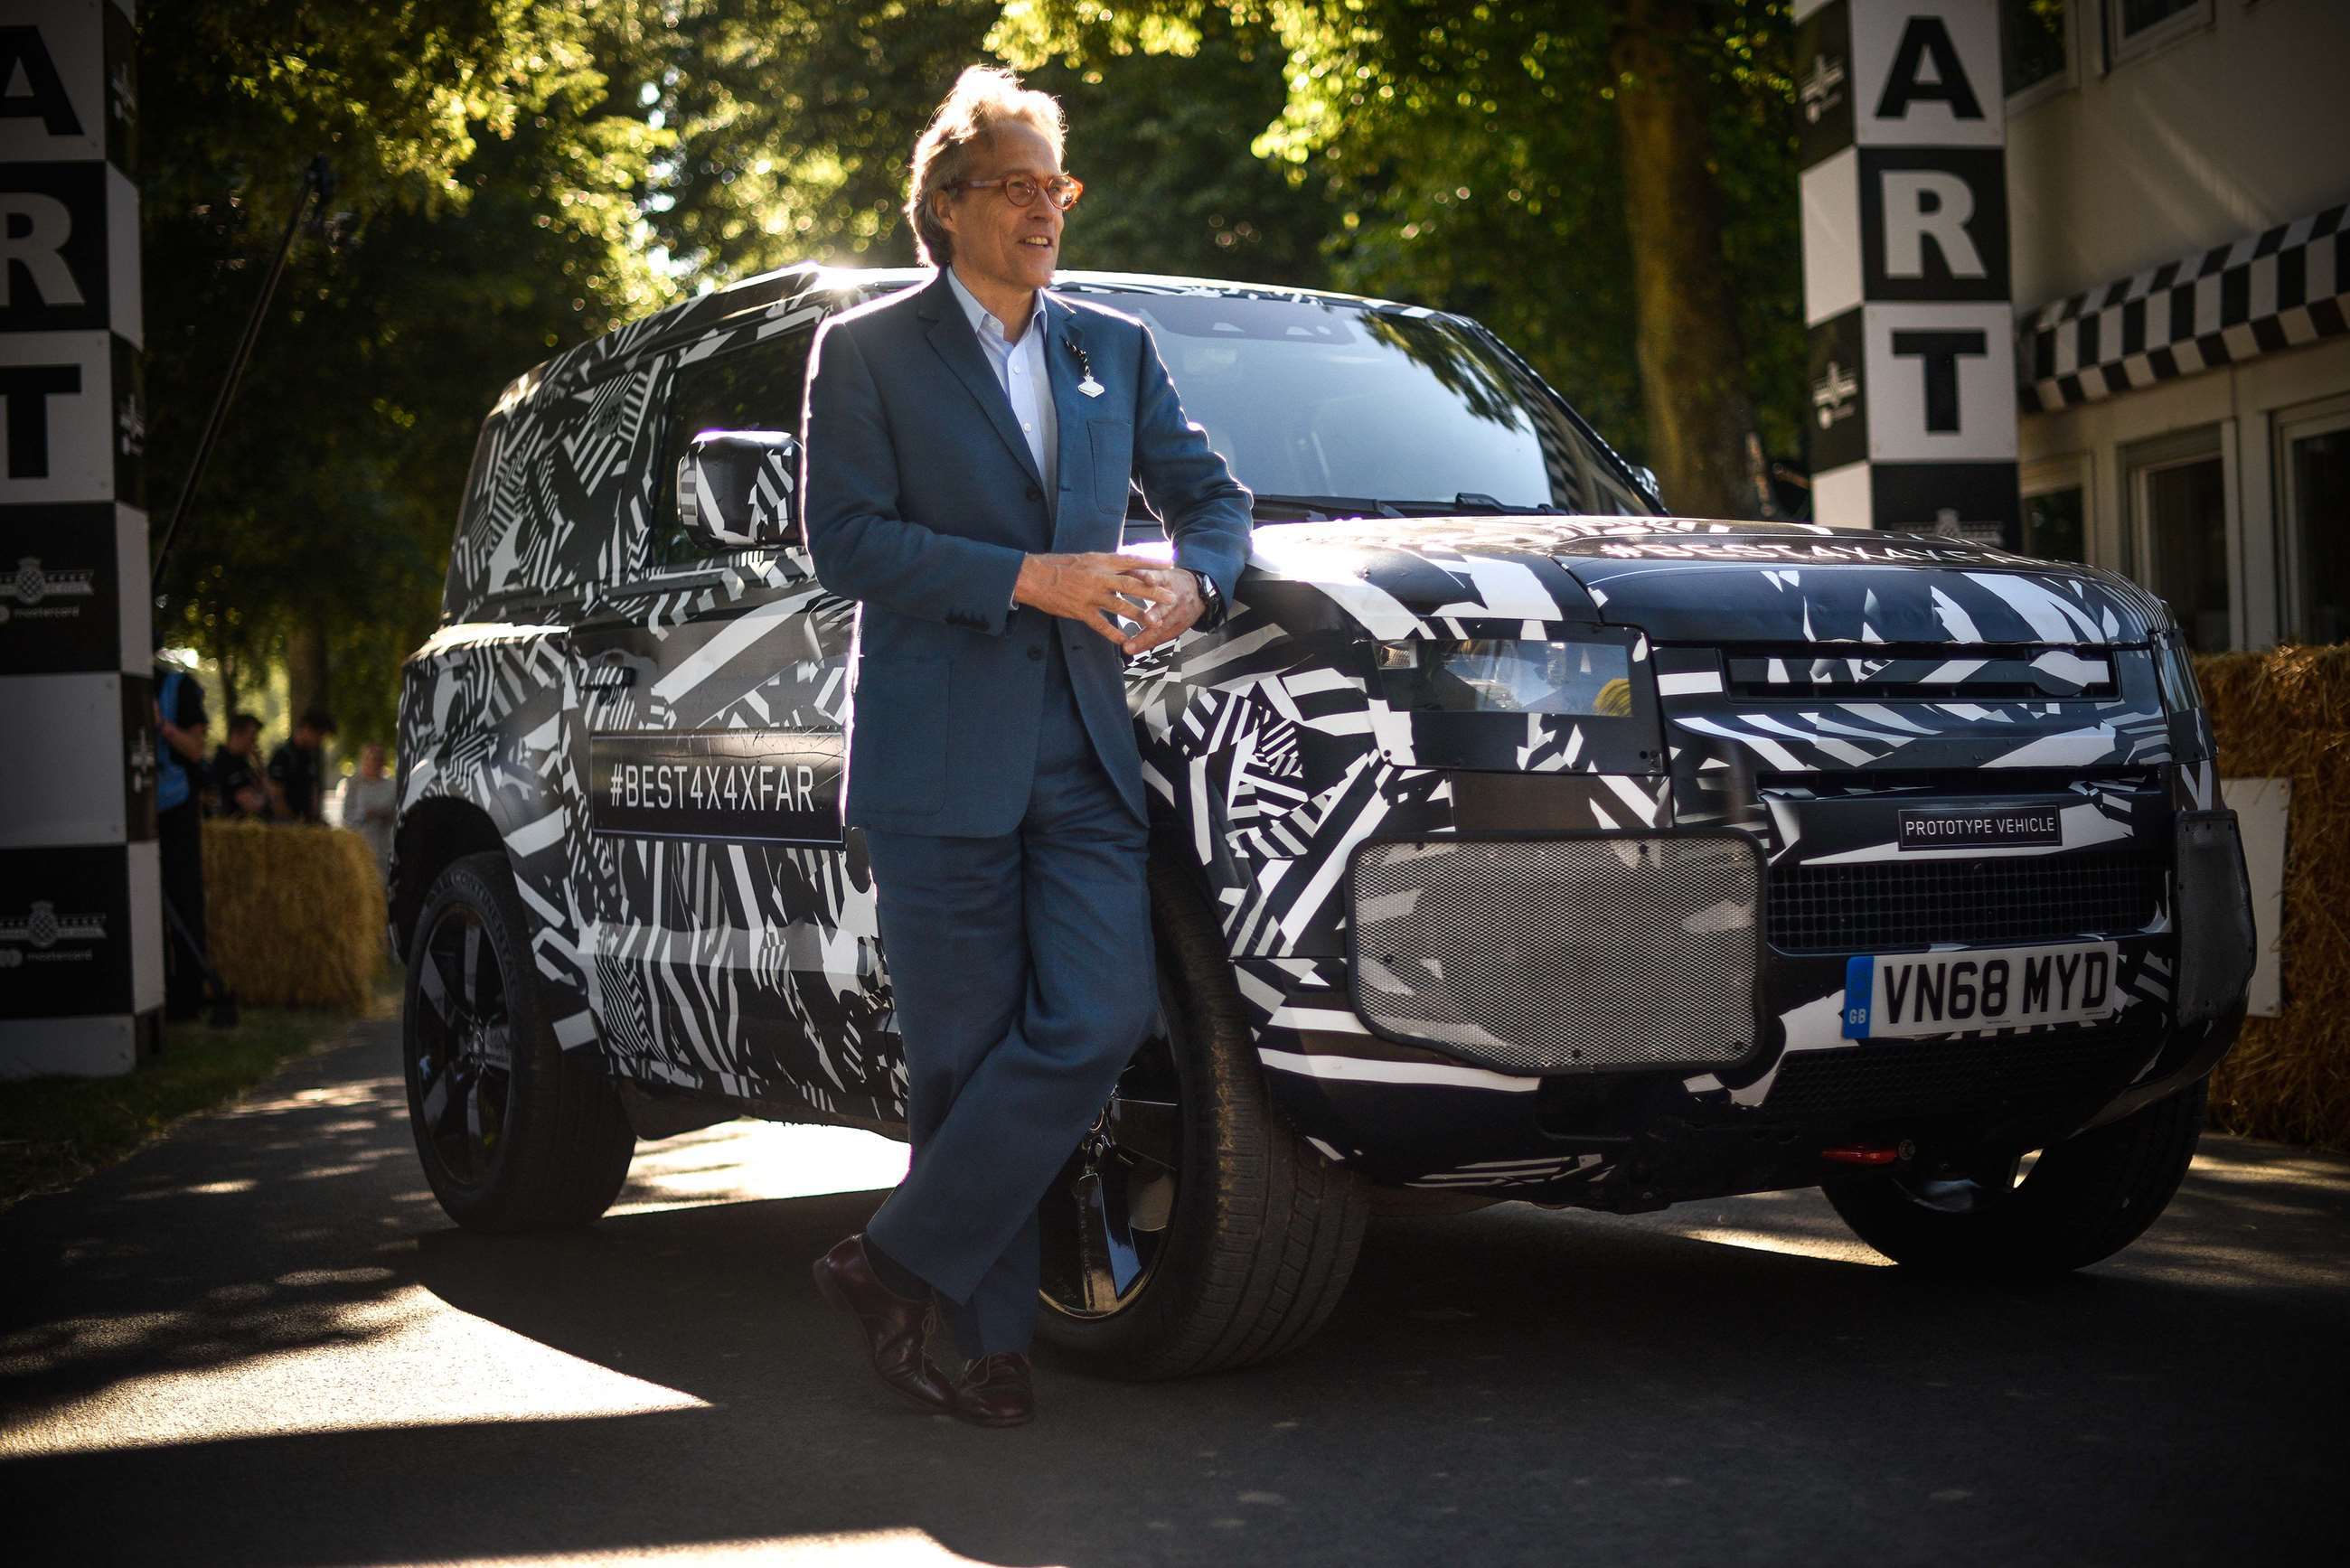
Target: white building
(2176,172)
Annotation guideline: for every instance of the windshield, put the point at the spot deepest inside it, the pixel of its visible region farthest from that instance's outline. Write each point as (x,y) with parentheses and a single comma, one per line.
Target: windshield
(1336,400)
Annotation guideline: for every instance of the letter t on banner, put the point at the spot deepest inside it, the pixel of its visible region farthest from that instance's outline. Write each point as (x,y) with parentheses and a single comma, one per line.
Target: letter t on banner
(1906,291)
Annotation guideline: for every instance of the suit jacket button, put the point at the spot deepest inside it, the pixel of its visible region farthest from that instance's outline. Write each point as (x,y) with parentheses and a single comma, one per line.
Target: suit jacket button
(1034,654)
(1034,494)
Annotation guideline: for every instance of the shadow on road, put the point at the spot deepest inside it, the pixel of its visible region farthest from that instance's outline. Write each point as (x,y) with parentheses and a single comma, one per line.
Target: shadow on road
(1730,1382)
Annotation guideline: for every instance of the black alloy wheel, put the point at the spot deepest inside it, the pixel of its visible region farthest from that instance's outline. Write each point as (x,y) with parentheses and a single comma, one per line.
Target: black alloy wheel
(464,1058)
(1978,1183)
(1192,1231)
(1107,1217)
(513,1130)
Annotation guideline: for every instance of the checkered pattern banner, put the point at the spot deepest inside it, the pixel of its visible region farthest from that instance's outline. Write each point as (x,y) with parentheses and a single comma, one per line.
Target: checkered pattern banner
(2278,289)
(81,913)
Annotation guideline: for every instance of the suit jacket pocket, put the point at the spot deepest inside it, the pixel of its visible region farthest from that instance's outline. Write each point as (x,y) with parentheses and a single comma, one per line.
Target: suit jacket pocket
(897,753)
(1113,445)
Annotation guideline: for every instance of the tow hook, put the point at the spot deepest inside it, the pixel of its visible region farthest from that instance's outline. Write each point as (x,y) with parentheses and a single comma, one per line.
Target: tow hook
(1870,1153)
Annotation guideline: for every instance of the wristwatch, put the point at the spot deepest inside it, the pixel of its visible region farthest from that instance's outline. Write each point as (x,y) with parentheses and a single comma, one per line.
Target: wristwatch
(1213,616)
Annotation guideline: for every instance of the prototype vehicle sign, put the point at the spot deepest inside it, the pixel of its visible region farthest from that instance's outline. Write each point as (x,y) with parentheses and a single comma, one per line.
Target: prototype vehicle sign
(1911,994)
(1981,828)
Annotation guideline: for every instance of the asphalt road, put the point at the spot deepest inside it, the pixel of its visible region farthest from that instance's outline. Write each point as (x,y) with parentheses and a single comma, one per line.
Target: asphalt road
(259,1342)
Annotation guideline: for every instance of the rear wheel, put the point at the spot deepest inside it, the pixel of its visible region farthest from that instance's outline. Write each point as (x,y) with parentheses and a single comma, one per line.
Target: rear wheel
(513,1132)
(1191,1231)
(1987,1215)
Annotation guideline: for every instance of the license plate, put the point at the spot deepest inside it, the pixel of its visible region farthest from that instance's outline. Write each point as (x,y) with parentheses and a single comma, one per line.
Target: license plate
(1908,995)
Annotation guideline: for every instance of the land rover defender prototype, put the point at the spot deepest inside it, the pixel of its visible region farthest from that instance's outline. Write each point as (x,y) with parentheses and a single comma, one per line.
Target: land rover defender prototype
(1511,840)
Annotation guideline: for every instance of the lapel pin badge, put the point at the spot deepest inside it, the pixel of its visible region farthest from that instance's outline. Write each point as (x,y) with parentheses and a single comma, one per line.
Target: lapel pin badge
(1089,386)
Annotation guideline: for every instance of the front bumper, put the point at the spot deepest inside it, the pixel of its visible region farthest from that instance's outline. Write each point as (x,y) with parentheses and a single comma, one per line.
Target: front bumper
(1411,1113)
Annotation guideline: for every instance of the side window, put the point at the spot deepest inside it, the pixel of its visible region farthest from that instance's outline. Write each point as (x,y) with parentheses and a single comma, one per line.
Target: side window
(756,388)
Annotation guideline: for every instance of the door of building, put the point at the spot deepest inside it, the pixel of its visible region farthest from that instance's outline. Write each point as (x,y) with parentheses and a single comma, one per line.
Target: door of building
(2313,503)
(2183,552)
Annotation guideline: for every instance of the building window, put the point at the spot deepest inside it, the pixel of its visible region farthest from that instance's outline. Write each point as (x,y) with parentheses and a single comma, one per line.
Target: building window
(2313,482)
(2056,508)
(2055,525)
(2133,27)
(2179,507)
(2036,48)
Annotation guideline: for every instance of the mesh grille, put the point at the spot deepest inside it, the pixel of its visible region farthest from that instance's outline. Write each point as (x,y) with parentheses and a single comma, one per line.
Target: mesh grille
(2020,898)
(1909,1077)
(1556,954)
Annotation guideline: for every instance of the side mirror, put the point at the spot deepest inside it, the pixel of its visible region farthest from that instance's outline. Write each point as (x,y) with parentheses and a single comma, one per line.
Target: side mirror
(738,490)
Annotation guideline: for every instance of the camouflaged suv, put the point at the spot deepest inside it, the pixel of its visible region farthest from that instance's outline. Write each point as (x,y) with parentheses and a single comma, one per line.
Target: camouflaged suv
(1511,840)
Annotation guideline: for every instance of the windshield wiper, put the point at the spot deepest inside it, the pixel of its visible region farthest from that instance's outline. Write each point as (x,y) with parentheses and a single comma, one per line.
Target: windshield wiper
(1478,501)
(1319,508)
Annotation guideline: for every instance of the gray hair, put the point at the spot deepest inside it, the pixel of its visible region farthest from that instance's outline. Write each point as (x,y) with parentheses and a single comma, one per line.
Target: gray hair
(983,98)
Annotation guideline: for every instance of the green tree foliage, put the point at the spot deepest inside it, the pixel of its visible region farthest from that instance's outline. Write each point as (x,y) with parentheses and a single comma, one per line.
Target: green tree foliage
(516,176)
(795,124)
(485,213)
(1477,155)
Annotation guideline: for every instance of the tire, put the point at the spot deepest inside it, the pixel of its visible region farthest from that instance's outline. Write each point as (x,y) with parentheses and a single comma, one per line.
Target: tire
(1250,1257)
(2082,1200)
(537,1139)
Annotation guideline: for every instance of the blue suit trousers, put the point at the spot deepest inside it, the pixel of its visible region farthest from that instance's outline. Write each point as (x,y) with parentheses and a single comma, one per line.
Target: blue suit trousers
(1023,973)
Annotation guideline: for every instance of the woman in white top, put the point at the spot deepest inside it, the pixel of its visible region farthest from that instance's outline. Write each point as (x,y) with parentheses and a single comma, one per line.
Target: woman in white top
(367,802)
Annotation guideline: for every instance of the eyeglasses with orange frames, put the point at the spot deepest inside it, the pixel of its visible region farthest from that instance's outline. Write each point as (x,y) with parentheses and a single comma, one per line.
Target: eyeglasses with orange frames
(1021,191)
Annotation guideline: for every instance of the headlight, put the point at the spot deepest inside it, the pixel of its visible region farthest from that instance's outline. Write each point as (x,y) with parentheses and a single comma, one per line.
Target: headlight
(1508,675)
(2175,672)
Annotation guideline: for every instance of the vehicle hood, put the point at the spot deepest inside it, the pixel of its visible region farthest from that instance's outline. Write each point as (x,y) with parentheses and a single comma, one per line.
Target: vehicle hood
(1688,581)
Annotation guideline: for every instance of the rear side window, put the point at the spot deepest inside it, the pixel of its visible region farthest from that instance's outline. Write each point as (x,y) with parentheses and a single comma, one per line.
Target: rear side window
(757,387)
(558,490)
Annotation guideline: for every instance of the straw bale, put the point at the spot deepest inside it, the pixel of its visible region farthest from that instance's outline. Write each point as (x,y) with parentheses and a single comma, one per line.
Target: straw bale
(2285,714)
(293,913)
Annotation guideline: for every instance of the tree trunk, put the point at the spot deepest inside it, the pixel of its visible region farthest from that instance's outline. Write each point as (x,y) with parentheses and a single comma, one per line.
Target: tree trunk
(1692,366)
(227,715)
(306,674)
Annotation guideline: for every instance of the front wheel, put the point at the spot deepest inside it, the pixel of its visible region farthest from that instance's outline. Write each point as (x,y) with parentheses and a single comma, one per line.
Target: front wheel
(1986,1217)
(1192,1231)
(514,1133)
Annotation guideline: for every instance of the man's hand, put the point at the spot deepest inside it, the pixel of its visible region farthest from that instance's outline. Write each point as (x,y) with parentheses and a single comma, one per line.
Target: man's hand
(1090,588)
(1171,618)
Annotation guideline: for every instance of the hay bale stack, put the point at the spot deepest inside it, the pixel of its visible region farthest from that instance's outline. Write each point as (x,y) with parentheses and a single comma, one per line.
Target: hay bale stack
(293,913)
(2285,714)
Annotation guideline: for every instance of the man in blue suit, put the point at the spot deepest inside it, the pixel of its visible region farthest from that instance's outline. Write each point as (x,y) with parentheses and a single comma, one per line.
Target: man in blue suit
(970,447)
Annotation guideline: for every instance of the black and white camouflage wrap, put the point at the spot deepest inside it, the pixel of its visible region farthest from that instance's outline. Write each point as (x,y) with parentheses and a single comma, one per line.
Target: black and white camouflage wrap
(1796,684)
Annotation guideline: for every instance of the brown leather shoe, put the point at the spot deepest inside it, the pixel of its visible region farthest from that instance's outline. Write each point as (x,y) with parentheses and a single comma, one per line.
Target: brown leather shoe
(996,1390)
(892,1326)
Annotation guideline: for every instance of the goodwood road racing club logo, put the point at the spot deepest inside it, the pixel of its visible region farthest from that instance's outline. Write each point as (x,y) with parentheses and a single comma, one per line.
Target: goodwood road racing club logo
(1950,525)
(1834,395)
(1823,90)
(22,591)
(142,763)
(41,931)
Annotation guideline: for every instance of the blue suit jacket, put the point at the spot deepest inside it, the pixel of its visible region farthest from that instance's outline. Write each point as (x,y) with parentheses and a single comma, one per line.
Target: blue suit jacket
(920,497)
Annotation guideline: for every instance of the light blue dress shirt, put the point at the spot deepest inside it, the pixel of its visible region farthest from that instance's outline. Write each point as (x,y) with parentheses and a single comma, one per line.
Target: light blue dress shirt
(1020,371)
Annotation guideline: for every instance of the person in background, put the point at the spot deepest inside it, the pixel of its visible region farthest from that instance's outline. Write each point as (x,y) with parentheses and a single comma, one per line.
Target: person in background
(296,786)
(237,789)
(367,802)
(180,724)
